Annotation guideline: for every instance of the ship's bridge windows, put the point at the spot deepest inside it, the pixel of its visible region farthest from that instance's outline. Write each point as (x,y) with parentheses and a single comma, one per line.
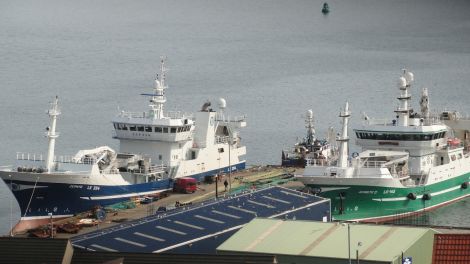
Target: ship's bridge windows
(172,129)
(165,130)
(402,137)
(158,130)
(148,129)
(140,128)
(120,126)
(132,128)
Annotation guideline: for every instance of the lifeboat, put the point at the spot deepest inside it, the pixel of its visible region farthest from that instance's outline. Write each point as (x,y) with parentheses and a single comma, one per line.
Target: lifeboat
(453,142)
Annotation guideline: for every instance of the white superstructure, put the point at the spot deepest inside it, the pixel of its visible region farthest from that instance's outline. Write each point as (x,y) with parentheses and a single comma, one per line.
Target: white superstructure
(188,145)
(409,163)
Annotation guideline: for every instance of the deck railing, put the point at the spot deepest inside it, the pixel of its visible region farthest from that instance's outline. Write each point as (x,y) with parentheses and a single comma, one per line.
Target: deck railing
(58,159)
(318,162)
(169,114)
(223,118)
(373,164)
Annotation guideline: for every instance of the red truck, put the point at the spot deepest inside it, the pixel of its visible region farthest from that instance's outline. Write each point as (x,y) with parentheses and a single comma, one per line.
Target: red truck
(185,185)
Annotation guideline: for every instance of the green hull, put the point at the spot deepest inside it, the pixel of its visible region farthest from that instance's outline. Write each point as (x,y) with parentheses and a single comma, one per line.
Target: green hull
(376,204)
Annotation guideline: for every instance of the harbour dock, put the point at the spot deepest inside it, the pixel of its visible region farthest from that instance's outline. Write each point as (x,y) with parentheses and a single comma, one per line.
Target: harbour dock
(251,178)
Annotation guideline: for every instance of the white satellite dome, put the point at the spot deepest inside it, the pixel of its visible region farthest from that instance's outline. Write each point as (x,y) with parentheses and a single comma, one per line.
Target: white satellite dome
(309,113)
(222,103)
(409,76)
(401,82)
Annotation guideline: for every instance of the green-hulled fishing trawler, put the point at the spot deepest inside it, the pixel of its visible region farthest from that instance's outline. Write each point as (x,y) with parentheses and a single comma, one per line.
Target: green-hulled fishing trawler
(409,164)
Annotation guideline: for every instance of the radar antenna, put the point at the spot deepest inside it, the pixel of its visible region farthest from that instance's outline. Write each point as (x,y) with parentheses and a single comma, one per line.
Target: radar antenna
(158,98)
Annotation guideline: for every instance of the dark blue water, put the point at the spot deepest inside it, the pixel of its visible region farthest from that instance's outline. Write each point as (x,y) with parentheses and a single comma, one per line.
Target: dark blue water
(271,60)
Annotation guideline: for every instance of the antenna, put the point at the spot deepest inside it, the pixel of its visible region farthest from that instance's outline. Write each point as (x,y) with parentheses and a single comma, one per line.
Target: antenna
(424,103)
(158,98)
(309,125)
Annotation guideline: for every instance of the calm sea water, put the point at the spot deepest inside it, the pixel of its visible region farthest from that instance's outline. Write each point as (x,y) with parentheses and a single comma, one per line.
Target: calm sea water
(271,60)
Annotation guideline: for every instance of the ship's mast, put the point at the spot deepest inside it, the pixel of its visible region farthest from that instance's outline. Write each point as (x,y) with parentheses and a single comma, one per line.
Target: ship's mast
(424,103)
(158,98)
(403,111)
(310,127)
(51,134)
(344,139)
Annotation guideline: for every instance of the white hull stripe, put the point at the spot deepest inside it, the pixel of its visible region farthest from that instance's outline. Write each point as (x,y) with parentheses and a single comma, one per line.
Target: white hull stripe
(418,197)
(447,190)
(328,189)
(393,199)
(412,212)
(121,195)
(21,187)
(30,218)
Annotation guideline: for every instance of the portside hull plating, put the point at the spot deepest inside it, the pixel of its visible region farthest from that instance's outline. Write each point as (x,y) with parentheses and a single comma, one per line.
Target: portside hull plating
(38,199)
(377,203)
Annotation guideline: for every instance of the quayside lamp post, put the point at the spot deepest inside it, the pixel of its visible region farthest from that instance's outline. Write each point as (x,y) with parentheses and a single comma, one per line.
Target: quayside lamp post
(348,224)
(359,244)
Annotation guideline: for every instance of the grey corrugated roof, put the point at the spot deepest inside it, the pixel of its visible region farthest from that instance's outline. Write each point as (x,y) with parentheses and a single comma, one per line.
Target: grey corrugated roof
(317,239)
(32,250)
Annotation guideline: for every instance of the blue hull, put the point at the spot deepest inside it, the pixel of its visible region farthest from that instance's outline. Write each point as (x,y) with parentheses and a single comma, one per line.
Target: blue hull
(68,199)
(63,199)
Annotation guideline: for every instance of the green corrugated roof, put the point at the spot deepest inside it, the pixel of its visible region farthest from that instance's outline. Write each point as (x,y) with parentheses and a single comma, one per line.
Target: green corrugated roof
(318,239)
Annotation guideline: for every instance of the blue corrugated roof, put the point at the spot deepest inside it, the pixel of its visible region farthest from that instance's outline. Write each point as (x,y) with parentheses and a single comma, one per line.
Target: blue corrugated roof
(204,226)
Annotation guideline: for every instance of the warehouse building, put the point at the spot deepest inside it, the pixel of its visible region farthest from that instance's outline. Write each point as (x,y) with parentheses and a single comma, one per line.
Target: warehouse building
(330,243)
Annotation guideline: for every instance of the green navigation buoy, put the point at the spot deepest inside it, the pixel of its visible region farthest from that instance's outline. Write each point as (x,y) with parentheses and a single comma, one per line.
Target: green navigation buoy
(326,9)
